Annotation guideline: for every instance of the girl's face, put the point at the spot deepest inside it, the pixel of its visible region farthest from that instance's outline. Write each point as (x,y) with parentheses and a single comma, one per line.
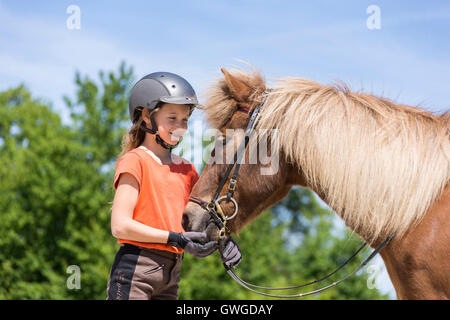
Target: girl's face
(172,121)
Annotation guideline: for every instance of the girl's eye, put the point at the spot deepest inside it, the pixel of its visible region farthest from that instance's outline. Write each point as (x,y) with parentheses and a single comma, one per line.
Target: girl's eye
(174,118)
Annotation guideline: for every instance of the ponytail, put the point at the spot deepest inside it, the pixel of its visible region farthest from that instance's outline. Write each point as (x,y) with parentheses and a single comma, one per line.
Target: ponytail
(135,136)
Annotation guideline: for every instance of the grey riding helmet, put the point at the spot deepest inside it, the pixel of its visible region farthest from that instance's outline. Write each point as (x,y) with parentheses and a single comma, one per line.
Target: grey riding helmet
(160,87)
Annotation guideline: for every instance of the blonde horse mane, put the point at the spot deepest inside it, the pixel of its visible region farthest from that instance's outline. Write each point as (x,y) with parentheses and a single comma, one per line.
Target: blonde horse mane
(380,165)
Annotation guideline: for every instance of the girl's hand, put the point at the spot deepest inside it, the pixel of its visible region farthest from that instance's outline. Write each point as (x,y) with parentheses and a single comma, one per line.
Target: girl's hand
(191,242)
(231,254)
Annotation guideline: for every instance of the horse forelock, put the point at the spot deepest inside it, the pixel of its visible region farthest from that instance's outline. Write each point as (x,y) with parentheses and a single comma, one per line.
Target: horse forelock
(220,105)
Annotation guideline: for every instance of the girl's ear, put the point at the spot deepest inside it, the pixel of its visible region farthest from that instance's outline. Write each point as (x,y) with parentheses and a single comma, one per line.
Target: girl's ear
(239,90)
(146,115)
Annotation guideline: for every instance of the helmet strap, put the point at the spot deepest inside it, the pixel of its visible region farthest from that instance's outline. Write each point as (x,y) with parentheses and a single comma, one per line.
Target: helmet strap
(159,140)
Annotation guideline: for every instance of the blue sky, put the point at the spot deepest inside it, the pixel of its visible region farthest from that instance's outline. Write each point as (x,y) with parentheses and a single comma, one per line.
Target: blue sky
(407,60)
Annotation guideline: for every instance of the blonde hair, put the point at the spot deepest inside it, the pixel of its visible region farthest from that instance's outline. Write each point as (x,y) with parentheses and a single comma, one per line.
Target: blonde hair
(135,136)
(380,165)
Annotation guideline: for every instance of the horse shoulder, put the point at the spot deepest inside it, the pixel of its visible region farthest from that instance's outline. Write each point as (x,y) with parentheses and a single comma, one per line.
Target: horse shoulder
(418,263)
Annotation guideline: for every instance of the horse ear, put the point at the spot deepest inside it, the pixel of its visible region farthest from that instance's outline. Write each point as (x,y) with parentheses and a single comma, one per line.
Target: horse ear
(239,90)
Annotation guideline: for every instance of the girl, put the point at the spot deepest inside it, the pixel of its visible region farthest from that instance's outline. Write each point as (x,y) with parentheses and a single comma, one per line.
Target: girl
(152,188)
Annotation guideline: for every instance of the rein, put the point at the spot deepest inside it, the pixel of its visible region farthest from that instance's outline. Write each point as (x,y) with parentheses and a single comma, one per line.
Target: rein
(215,211)
(251,287)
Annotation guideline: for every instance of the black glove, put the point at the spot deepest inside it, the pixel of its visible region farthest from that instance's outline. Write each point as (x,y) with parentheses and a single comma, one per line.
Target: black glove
(189,241)
(231,254)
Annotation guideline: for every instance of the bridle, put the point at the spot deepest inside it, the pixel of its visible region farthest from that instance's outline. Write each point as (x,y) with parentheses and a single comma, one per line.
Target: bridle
(213,206)
(216,212)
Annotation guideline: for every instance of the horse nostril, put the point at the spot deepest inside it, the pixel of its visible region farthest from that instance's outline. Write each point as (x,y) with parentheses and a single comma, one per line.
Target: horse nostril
(185,222)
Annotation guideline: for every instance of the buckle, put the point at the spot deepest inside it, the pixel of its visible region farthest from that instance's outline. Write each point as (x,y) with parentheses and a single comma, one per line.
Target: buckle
(232,184)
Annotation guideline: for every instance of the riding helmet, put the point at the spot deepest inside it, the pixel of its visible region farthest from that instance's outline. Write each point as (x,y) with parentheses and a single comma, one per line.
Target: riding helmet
(159,87)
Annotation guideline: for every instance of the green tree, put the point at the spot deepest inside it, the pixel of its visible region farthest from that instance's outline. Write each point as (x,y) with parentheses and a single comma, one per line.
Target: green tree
(100,113)
(56,189)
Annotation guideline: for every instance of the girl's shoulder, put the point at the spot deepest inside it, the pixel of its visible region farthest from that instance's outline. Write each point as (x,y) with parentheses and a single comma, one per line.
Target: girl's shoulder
(129,162)
(133,154)
(132,157)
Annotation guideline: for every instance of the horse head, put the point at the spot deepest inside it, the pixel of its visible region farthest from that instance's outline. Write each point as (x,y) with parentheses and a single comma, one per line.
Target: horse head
(259,184)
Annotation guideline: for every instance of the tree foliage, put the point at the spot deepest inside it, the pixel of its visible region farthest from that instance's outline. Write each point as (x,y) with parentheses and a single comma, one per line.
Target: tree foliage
(55,202)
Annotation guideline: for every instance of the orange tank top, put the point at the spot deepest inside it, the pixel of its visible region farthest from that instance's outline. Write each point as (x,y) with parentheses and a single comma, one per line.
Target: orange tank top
(163,191)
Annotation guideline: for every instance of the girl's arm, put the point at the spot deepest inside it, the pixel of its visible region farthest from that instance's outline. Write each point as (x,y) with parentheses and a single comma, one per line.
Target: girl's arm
(122,224)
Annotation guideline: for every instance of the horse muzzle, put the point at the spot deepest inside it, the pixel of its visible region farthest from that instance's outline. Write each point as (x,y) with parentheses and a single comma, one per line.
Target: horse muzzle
(197,219)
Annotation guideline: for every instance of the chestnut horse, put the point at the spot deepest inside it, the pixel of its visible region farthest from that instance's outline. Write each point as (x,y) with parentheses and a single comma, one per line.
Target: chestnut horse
(384,168)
